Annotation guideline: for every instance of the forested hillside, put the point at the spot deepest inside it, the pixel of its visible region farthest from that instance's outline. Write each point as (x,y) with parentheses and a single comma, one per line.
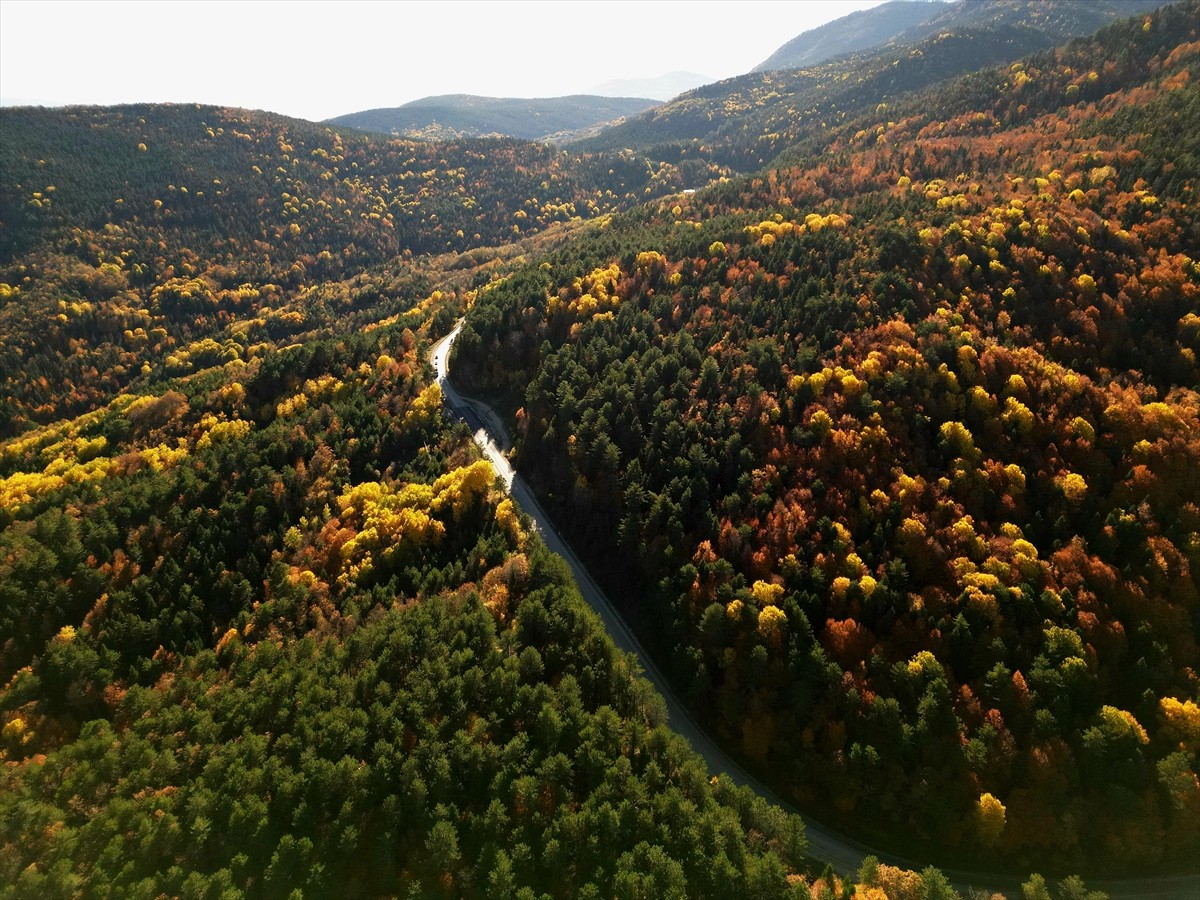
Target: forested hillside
(172,237)
(857,31)
(892,450)
(745,122)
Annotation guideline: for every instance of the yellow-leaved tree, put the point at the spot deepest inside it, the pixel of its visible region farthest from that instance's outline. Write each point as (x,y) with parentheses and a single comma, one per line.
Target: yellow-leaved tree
(989,819)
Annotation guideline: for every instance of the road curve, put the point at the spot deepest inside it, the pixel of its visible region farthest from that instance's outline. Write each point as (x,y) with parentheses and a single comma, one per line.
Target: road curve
(826,844)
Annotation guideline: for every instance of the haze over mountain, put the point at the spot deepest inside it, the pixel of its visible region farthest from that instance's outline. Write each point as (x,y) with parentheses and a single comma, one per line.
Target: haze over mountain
(503,48)
(455,116)
(661,87)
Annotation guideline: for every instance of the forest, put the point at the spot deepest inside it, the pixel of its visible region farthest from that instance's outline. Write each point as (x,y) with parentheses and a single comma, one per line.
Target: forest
(887,450)
(258,664)
(177,237)
(268,627)
(891,451)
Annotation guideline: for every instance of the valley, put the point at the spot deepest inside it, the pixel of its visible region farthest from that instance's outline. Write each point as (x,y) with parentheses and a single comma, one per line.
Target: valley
(789,491)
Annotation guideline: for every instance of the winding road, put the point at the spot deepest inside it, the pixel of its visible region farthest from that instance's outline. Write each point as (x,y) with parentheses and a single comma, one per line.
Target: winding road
(825,844)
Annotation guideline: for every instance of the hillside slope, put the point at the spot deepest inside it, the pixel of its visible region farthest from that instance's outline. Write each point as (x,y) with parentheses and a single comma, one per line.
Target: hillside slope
(267,623)
(745,122)
(892,451)
(156,227)
(244,656)
(902,23)
(860,30)
(1058,20)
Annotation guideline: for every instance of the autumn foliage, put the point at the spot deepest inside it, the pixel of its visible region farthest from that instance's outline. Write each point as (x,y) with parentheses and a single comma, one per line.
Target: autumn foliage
(900,440)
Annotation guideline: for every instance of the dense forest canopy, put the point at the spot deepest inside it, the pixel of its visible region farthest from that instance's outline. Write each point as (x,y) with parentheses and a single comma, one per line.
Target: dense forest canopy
(266,623)
(319,651)
(898,443)
(166,236)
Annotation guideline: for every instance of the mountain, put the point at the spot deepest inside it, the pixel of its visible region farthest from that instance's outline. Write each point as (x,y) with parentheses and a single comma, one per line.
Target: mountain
(858,31)
(454,116)
(744,122)
(662,87)
(902,23)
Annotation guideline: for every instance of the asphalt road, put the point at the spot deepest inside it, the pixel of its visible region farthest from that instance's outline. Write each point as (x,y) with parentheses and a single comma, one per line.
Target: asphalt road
(826,844)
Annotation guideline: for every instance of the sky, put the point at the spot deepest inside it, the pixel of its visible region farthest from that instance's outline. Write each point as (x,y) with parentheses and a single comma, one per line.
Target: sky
(315,60)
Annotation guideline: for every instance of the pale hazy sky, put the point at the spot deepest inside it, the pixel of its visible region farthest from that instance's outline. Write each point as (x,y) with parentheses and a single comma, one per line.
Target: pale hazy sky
(316,60)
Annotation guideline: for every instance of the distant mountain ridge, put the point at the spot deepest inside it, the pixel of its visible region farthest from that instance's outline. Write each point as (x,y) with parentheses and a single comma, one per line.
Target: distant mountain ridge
(858,31)
(778,105)
(454,116)
(903,23)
